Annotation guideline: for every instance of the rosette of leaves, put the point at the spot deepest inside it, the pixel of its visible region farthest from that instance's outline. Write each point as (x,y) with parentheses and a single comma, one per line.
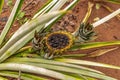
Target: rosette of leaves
(13,54)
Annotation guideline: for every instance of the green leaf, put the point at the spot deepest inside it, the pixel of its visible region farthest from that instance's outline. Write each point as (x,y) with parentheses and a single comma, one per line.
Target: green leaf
(89,63)
(9,3)
(82,77)
(11,19)
(85,77)
(24,76)
(113,1)
(94,45)
(35,70)
(73,71)
(2,78)
(72,55)
(52,62)
(1,5)
(20,15)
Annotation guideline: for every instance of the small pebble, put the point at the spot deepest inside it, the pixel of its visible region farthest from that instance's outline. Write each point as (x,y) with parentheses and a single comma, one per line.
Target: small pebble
(4,19)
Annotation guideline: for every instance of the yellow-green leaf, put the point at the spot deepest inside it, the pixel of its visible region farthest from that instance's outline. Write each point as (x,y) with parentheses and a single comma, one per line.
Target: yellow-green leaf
(100,52)
(94,45)
(113,1)
(2,78)
(1,5)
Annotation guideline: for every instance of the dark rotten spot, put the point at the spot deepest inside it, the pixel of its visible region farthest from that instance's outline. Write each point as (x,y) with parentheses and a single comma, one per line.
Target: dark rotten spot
(58,41)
